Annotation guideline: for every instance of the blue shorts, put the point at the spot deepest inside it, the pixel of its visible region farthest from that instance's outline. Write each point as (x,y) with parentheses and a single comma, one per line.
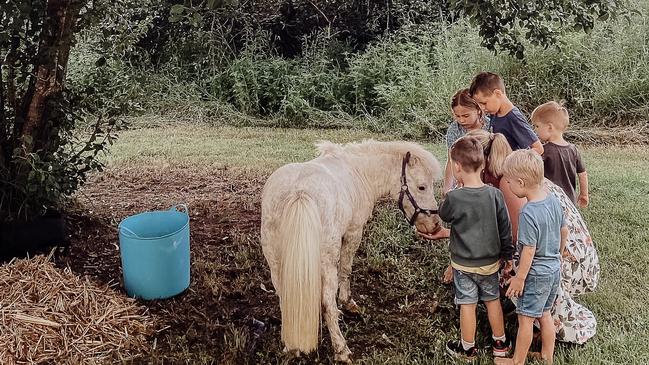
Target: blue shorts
(539,294)
(469,287)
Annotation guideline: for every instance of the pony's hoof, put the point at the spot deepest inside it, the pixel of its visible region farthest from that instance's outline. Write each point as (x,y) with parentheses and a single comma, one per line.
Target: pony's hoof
(344,356)
(291,354)
(352,307)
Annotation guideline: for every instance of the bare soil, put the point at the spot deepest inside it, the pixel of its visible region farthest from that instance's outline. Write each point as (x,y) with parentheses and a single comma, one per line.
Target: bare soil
(229,314)
(225,213)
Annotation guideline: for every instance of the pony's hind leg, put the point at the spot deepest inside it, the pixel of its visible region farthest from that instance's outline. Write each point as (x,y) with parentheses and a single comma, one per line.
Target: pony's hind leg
(329,288)
(351,241)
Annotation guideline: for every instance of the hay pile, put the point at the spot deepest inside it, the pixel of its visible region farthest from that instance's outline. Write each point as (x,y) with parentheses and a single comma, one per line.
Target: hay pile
(48,315)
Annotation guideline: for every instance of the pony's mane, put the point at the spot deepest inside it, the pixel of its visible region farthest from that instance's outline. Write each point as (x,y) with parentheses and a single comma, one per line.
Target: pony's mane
(371,146)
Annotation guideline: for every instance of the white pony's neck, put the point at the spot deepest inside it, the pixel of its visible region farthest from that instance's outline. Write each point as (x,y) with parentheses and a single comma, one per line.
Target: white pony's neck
(377,165)
(380,173)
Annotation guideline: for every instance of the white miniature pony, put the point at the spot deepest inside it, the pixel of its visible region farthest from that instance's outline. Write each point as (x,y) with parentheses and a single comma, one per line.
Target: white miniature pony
(312,219)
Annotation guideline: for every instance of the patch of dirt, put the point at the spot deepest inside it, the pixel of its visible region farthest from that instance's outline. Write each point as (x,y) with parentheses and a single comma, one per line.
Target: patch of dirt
(229,314)
(225,253)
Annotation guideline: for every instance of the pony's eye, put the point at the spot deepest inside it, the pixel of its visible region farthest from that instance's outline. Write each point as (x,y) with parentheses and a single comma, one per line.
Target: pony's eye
(422,188)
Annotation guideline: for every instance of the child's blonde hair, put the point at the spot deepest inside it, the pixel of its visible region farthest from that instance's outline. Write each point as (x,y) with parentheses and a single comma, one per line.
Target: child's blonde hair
(552,113)
(526,165)
(495,148)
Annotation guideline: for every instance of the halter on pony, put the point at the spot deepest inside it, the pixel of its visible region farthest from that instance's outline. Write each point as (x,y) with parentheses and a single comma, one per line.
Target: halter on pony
(405,191)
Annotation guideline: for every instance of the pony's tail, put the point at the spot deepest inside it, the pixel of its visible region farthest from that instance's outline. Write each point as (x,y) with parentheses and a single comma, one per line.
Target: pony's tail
(300,281)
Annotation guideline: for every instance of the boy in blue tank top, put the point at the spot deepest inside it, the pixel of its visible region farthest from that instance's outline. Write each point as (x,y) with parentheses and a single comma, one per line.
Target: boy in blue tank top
(542,234)
(488,89)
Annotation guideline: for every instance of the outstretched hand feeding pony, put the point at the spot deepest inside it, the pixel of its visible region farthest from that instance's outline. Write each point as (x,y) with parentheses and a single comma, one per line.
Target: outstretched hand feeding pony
(312,220)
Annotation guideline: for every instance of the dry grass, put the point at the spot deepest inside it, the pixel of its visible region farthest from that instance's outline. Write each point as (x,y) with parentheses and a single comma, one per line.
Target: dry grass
(632,135)
(48,315)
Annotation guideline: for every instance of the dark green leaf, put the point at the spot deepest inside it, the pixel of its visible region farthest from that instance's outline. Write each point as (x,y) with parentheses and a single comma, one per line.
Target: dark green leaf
(177,9)
(101,61)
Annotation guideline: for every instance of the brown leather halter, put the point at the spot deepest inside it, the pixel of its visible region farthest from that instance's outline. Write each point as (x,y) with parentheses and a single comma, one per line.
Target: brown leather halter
(406,192)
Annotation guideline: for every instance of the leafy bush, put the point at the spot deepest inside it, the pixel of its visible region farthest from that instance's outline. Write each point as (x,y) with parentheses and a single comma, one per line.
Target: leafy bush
(43,157)
(399,81)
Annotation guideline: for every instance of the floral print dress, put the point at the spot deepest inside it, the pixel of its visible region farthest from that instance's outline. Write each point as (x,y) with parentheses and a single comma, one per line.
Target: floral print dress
(579,274)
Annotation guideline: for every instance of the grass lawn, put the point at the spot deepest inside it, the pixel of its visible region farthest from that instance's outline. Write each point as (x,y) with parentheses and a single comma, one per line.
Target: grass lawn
(404,273)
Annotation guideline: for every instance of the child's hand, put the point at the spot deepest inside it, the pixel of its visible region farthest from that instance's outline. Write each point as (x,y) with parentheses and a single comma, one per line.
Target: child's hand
(445,191)
(583,201)
(515,287)
(507,270)
(441,233)
(567,256)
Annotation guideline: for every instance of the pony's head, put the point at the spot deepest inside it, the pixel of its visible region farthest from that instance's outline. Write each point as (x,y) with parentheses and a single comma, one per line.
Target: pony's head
(416,196)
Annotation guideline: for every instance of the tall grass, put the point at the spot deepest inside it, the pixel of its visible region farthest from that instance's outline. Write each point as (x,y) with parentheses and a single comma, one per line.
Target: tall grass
(402,82)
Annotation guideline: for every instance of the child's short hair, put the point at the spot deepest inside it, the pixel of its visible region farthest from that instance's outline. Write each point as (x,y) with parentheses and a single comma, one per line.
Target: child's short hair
(526,165)
(467,151)
(486,83)
(552,113)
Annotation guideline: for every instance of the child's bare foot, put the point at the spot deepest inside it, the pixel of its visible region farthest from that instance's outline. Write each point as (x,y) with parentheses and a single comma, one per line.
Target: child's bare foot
(447,277)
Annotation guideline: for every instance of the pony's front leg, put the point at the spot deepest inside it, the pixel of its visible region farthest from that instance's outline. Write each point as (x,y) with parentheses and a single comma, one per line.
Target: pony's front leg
(329,288)
(350,244)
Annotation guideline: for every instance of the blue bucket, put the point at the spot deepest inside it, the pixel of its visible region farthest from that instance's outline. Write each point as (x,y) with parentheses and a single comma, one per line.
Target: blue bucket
(154,248)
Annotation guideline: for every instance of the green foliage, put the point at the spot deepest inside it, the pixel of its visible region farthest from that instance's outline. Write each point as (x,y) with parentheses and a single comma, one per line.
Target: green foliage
(222,66)
(501,22)
(43,158)
(256,85)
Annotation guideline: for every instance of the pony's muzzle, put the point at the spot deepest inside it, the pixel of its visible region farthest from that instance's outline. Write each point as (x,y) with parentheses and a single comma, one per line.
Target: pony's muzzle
(428,222)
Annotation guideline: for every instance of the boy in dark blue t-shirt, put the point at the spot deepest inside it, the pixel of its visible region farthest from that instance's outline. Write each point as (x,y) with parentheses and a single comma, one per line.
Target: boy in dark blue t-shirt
(488,89)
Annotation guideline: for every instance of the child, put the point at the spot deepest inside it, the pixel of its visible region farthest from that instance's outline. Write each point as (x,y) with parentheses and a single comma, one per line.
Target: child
(467,116)
(488,89)
(542,234)
(561,160)
(480,238)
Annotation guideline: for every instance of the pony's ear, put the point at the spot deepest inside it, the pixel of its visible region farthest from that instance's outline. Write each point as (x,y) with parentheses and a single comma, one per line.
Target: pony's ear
(414,160)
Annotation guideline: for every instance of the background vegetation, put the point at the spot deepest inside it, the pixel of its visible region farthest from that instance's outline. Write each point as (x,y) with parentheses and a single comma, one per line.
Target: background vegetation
(383,68)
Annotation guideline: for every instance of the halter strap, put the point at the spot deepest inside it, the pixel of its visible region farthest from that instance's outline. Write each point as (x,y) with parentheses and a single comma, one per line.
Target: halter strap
(405,191)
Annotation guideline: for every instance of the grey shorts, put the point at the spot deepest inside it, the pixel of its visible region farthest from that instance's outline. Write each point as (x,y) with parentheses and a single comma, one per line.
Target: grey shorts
(469,287)
(539,294)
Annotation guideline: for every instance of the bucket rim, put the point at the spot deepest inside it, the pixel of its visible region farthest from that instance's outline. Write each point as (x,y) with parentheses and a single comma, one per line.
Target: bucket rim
(123,233)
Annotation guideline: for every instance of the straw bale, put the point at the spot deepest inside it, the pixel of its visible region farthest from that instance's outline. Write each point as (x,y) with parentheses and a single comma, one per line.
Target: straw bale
(49,315)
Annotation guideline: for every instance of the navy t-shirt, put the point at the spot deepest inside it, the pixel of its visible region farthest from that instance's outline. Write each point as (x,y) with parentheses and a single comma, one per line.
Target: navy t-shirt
(515,127)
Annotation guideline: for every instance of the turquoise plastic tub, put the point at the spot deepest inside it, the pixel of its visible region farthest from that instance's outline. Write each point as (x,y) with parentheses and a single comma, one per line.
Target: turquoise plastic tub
(154,248)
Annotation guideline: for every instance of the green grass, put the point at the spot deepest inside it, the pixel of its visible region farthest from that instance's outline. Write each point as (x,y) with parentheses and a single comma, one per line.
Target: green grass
(253,149)
(396,278)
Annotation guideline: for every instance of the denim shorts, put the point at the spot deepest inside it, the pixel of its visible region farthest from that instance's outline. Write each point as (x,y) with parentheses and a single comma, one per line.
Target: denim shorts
(539,294)
(470,287)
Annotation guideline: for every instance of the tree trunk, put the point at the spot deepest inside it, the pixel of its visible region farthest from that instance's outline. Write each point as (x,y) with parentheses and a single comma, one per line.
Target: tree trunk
(3,127)
(53,51)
